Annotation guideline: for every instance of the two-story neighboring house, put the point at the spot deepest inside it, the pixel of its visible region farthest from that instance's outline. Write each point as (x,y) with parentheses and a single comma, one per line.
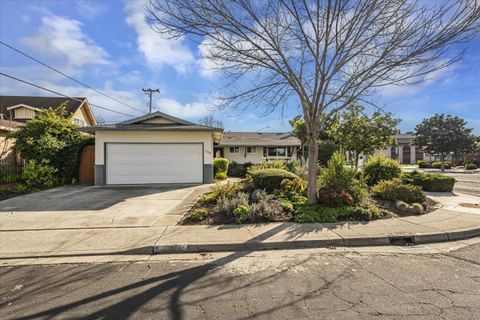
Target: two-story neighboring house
(16,110)
(24,108)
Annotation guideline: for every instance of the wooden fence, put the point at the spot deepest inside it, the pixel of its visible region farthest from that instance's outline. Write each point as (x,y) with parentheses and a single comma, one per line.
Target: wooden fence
(10,172)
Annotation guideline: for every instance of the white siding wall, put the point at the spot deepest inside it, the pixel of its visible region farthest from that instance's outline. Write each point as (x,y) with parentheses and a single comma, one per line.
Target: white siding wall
(101,137)
(257,157)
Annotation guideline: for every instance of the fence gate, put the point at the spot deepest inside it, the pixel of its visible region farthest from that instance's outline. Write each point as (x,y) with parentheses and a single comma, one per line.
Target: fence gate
(87,161)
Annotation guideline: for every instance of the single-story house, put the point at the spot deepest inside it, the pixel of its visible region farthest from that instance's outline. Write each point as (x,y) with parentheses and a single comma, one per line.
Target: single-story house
(24,108)
(155,148)
(255,147)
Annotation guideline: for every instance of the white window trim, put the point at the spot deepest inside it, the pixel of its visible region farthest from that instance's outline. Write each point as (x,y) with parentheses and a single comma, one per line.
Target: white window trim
(236,147)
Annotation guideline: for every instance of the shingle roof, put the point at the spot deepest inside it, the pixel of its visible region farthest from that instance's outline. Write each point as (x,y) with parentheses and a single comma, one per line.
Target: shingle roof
(39,102)
(284,139)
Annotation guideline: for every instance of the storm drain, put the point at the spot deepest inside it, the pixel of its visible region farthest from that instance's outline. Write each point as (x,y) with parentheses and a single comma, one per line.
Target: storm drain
(401,240)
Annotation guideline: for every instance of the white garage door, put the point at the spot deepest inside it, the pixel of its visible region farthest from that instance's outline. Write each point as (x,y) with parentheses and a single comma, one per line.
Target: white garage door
(130,163)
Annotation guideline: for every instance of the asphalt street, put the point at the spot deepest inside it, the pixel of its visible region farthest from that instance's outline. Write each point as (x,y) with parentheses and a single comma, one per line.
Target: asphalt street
(299,284)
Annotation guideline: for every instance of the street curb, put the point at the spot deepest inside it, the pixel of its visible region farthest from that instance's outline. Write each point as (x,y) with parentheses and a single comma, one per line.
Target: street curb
(386,240)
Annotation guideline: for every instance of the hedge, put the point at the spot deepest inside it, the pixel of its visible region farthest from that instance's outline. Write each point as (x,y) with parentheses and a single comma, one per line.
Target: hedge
(424,164)
(270,179)
(470,166)
(433,182)
(394,190)
(220,168)
(438,165)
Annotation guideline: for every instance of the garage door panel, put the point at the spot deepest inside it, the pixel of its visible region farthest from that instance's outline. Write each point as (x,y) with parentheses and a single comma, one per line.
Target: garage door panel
(154,163)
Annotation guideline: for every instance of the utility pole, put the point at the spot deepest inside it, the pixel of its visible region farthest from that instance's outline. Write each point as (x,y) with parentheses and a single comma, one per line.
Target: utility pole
(150,92)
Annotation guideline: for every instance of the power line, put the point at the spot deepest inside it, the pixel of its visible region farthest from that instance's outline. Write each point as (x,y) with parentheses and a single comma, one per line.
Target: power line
(61,94)
(69,77)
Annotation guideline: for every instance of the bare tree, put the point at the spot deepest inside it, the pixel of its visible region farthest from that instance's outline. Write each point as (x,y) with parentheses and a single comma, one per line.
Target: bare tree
(326,54)
(210,121)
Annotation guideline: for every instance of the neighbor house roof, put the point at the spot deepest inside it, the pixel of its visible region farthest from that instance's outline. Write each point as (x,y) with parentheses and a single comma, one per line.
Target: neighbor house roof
(40,102)
(267,139)
(141,124)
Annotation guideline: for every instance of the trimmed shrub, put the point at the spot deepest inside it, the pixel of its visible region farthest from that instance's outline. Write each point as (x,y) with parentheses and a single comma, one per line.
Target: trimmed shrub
(39,175)
(424,164)
(470,166)
(334,197)
(395,189)
(276,164)
(402,205)
(417,208)
(338,175)
(381,168)
(220,165)
(438,165)
(432,182)
(270,179)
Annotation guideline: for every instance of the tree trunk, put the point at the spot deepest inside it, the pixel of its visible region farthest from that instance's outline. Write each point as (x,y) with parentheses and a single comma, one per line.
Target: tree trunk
(312,170)
(355,165)
(443,163)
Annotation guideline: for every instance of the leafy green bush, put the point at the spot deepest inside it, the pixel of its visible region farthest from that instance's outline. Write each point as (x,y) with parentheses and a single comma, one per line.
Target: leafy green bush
(207,198)
(337,175)
(53,137)
(270,179)
(381,168)
(424,164)
(438,165)
(241,213)
(470,166)
(39,175)
(395,189)
(334,197)
(220,167)
(221,176)
(433,182)
(199,214)
(226,190)
(315,213)
(290,188)
(275,164)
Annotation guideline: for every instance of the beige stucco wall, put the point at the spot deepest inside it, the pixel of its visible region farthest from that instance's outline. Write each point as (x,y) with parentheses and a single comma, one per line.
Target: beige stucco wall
(81,114)
(102,137)
(6,152)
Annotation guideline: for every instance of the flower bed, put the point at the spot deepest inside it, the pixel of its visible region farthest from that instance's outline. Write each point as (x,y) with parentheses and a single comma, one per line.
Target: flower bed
(277,195)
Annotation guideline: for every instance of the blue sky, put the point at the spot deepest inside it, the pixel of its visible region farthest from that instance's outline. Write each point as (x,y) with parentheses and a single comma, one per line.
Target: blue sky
(108,45)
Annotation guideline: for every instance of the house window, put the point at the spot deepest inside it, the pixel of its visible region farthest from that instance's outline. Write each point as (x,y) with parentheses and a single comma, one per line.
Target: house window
(234,149)
(273,152)
(251,149)
(78,122)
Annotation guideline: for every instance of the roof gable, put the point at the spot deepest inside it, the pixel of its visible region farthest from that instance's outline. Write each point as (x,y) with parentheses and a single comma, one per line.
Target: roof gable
(41,102)
(158,118)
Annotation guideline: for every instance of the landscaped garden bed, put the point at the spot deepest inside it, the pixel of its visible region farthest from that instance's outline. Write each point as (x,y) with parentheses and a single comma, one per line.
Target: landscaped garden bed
(276,192)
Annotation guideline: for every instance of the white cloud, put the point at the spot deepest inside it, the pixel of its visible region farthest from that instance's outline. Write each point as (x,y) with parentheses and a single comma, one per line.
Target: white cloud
(157,50)
(89,9)
(193,110)
(62,37)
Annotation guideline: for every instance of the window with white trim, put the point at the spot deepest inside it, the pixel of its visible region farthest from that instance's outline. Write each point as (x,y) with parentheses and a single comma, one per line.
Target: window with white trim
(274,152)
(234,149)
(251,149)
(78,122)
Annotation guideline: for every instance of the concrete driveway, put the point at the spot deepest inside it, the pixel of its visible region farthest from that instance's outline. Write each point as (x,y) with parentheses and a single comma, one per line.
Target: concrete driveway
(83,207)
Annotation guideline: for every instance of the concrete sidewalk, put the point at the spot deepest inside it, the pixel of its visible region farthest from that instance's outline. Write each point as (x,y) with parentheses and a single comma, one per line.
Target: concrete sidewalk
(451,222)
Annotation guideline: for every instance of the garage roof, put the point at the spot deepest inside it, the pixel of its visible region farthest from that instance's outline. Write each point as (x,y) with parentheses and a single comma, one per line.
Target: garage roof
(157,121)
